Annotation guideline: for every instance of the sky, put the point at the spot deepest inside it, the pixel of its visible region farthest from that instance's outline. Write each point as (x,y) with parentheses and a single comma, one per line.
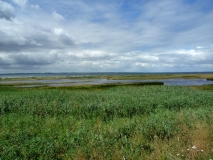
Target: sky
(106,36)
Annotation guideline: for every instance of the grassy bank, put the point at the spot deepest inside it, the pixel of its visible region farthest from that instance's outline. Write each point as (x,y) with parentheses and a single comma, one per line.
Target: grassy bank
(209,79)
(160,76)
(114,122)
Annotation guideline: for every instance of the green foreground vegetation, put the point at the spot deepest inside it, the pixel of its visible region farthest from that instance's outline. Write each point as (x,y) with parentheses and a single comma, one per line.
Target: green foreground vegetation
(114,122)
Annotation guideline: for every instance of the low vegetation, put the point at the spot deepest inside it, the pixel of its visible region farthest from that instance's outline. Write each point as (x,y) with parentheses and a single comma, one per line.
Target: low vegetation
(119,77)
(160,76)
(209,79)
(207,87)
(114,122)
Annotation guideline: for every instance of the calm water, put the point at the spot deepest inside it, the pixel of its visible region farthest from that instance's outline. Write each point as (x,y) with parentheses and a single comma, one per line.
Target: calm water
(173,82)
(71,82)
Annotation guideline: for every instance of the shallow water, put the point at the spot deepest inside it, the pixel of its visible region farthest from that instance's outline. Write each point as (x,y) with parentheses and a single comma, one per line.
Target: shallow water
(72,82)
(186,82)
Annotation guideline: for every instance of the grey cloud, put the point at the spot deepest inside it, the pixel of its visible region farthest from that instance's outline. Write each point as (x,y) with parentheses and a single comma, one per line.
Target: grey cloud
(66,40)
(3,62)
(24,59)
(63,37)
(148,39)
(171,58)
(6,10)
(27,61)
(91,58)
(13,46)
(21,67)
(34,41)
(187,57)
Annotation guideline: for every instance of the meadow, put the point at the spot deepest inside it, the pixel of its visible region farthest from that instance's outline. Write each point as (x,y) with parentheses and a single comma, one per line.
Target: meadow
(106,122)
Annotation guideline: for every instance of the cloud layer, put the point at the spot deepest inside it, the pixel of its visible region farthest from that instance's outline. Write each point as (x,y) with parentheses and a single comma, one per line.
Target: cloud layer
(91,36)
(6,11)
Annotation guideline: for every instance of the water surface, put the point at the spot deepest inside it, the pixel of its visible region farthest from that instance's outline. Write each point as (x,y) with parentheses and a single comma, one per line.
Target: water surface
(72,82)
(84,74)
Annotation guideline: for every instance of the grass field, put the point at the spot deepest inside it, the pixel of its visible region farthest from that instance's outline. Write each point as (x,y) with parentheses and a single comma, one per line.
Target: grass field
(114,122)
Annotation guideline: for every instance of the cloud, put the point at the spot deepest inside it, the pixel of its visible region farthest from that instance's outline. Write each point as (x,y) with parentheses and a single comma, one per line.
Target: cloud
(117,36)
(35,6)
(90,55)
(26,59)
(199,47)
(19,37)
(57,16)
(21,3)
(65,39)
(192,59)
(18,42)
(63,36)
(58,31)
(3,62)
(6,10)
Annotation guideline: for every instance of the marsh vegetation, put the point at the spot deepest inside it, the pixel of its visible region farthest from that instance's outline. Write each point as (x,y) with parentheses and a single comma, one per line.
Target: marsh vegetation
(210,79)
(106,122)
(167,79)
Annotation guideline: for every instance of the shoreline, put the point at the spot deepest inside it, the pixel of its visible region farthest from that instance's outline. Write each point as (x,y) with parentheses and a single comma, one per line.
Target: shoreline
(60,81)
(119,76)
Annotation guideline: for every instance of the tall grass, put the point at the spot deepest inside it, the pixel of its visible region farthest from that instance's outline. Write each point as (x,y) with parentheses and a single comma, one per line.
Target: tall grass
(123,122)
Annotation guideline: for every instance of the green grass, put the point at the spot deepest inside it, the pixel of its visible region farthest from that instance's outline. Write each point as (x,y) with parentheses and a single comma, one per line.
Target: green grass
(207,87)
(99,122)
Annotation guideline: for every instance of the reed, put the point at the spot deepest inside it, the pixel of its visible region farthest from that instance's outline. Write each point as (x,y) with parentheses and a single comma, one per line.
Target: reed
(114,122)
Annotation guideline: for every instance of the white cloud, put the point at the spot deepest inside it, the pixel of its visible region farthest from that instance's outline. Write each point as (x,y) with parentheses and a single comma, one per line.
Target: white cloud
(21,3)
(199,47)
(58,31)
(35,6)
(6,10)
(148,65)
(57,16)
(106,37)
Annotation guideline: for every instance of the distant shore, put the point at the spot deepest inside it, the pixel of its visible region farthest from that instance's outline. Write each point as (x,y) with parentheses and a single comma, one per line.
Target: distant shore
(107,75)
(113,78)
